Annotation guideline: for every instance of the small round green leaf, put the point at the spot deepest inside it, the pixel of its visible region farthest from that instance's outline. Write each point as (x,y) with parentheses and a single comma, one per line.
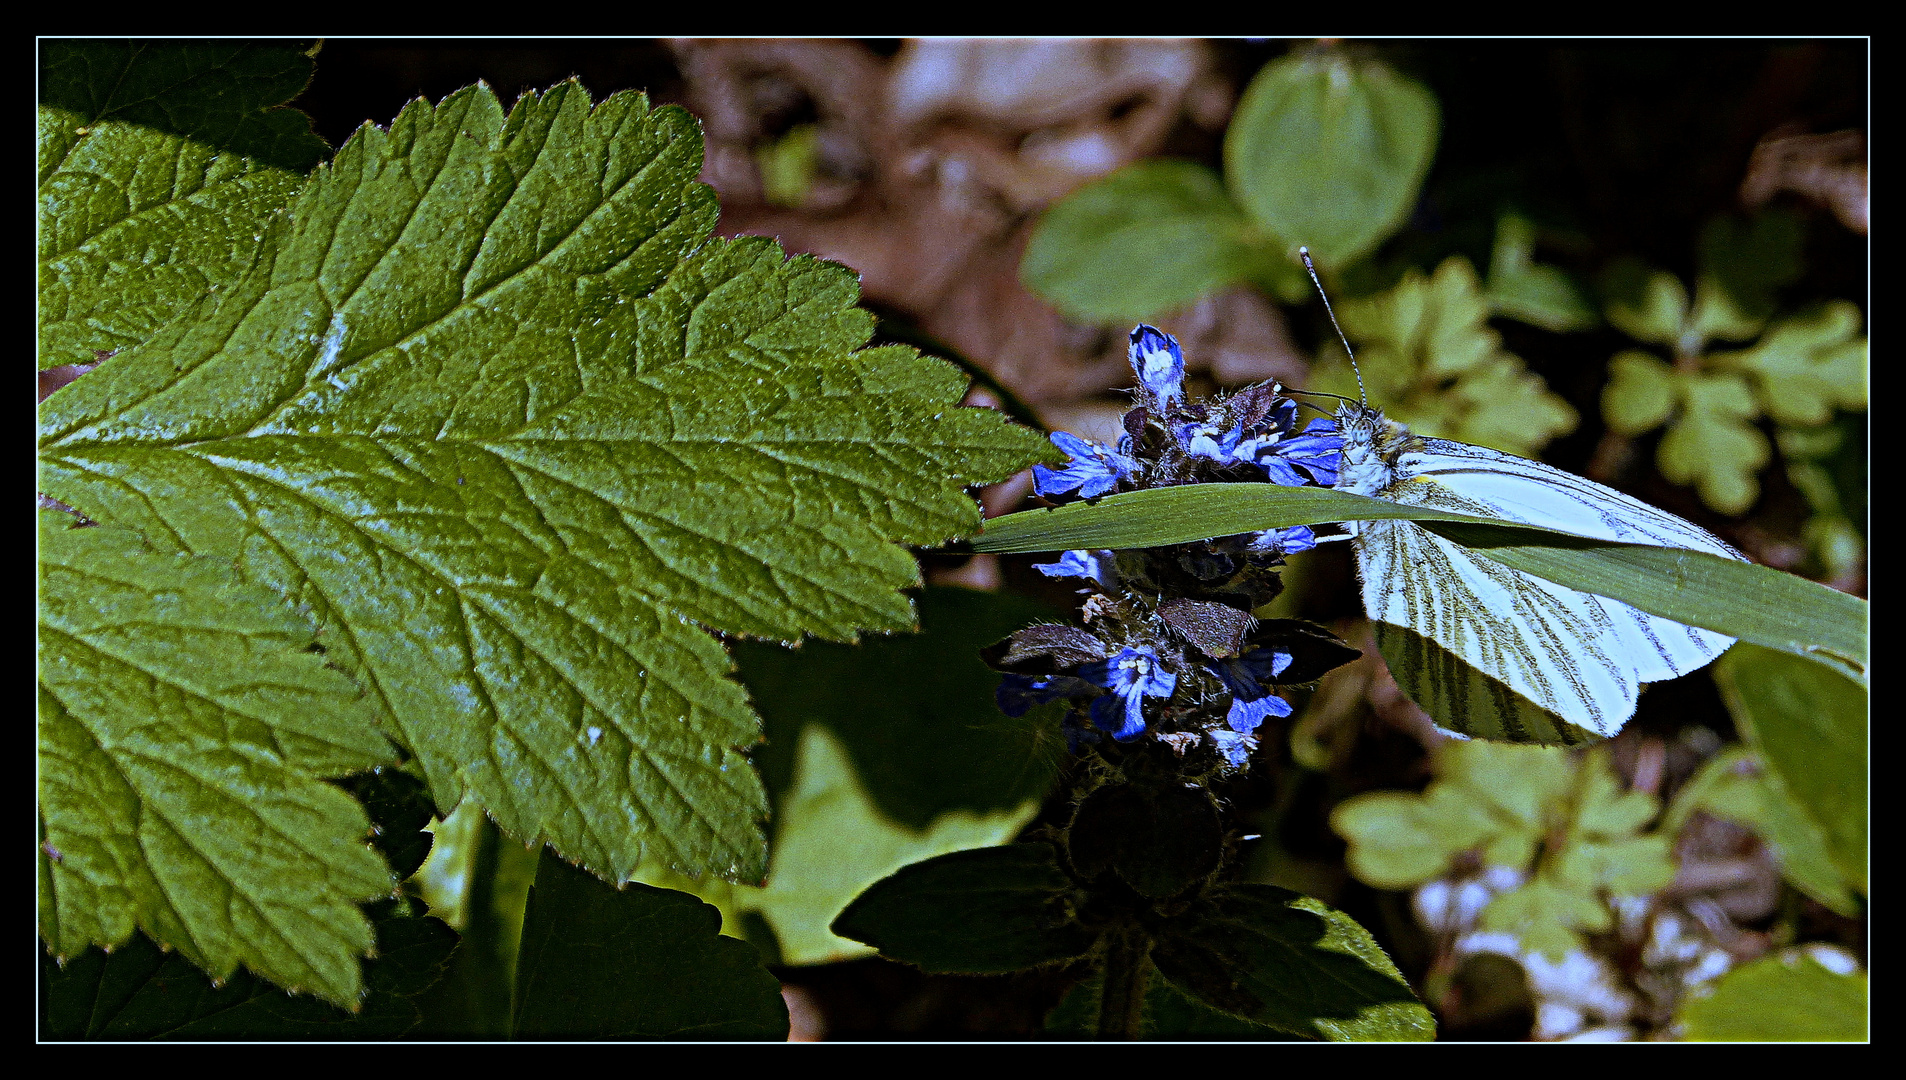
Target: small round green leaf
(1329,152)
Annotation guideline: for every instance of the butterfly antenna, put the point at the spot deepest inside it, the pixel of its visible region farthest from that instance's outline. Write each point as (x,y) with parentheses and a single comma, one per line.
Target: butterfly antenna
(1304,253)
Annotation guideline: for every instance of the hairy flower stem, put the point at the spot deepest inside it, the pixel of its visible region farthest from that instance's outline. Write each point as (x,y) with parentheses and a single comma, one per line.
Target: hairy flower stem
(1128,966)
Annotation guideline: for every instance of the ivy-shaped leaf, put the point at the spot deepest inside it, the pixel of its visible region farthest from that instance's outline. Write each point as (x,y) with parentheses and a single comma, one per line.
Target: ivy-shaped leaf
(494,406)
(184,727)
(1430,359)
(158,167)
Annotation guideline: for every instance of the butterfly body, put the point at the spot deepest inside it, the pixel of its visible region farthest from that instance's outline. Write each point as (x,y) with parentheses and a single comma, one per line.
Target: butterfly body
(1491,651)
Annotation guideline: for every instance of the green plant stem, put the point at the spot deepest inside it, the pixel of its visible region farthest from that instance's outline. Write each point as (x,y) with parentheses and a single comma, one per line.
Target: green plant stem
(474,998)
(1127,967)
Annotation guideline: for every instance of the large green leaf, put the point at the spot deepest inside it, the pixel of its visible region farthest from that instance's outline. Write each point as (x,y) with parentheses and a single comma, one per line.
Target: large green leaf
(1289,962)
(494,406)
(1749,602)
(184,725)
(601,962)
(158,168)
(1788,997)
(1329,152)
(1809,727)
(1153,236)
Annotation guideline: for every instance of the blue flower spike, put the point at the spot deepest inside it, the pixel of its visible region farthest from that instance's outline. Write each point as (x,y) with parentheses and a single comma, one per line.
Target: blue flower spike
(1160,364)
(1131,676)
(1092,472)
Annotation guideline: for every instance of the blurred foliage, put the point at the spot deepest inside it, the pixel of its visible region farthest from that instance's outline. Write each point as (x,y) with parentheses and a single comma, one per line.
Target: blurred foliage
(1430,359)
(1328,150)
(1809,727)
(1799,995)
(1535,293)
(1324,150)
(1560,817)
(1798,369)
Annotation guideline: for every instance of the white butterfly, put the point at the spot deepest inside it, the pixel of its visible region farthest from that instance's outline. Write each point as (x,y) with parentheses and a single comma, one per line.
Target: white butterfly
(1490,651)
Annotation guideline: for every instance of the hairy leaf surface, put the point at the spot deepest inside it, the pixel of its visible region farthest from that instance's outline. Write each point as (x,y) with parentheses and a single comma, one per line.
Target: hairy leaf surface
(494,406)
(184,727)
(158,168)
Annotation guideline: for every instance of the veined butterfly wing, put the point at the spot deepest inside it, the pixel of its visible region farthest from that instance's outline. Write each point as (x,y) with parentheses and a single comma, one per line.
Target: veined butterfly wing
(1491,651)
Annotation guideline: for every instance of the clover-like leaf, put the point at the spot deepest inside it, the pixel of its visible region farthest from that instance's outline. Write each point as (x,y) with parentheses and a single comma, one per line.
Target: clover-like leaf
(1648,305)
(1499,799)
(1714,445)
(497,409)
(184,728)
(1641,393)
(158,168)
(1546,915)
(1808,365)
(1429,357)
(1537,294)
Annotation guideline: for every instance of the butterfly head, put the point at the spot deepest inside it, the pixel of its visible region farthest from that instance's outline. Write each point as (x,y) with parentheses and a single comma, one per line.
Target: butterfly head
(1371,444)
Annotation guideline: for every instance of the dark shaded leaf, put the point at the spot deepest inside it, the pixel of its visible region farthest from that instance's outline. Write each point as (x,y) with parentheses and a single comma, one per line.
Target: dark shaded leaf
(140,992)
(599,962)
(1161,841)
(915,712)
(990,910)
(1275,957)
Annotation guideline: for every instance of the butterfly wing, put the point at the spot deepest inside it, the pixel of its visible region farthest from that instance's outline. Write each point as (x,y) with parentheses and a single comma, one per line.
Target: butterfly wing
(1543,658)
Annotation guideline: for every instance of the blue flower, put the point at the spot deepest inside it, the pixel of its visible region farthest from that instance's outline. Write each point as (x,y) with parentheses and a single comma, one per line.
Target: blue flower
(1318,452)
(1245,676)
(1093,470)
(1131,676)
(1095,566)
(1206,441)
(1245,716)
(1159,362)
(1235,748)
(1269,542)
(1018,693)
